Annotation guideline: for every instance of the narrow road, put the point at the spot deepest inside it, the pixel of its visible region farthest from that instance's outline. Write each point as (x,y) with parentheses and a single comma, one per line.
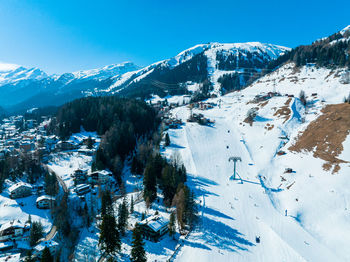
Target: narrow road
(53,230)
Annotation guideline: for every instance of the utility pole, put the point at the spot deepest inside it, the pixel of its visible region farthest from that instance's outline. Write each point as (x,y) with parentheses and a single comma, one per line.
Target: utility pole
(234,159)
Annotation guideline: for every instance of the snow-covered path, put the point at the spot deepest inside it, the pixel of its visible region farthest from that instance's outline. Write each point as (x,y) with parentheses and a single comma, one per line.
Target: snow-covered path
(234,214)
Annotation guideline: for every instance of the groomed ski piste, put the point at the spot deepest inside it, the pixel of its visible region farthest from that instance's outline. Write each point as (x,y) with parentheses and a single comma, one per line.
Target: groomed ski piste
(299,216)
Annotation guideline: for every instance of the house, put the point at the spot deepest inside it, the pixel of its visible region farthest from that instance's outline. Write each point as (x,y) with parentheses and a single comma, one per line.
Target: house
(154,227)
(100,177)
(11,258)
(45,202)
(26,146)
(65,145)
(79,176)
(52,245)
(20,189)
(12,230)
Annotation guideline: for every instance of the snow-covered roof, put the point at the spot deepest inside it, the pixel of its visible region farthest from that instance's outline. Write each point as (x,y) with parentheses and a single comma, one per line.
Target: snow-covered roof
(11,258)
(155,222)
(18,185)
(14,223)
(45,197)
(40,247)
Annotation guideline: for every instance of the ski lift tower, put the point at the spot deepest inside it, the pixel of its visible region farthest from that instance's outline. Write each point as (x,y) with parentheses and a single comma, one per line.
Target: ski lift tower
(234,159)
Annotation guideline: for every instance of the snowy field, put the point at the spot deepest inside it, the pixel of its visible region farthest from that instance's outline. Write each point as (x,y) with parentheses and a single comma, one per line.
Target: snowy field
(299,216)
(21,208)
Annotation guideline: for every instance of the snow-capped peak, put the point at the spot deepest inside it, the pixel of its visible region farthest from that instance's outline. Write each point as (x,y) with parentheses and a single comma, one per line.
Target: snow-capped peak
(12,73)
(346,29)
(5,67)
(106,71)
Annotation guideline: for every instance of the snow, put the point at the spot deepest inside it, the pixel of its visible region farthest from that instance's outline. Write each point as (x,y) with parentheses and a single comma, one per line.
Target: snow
(106,71)
(18,185)
(40,247)
(267,50)
(21,208)
(233,213)
(11,258)
(4,67)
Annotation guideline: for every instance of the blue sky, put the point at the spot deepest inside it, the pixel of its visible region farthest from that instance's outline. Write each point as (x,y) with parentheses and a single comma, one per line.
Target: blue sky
(69,35)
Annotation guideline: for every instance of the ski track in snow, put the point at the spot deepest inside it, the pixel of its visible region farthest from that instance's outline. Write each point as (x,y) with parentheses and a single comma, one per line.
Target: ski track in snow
(233,214)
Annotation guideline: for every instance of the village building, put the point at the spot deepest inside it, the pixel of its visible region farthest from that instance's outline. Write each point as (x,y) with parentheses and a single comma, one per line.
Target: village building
(12,230)
(100,177)
(20,189)
(80,176)
(51,245)
(11,258)
(66,145)
(45,202)
(154,227)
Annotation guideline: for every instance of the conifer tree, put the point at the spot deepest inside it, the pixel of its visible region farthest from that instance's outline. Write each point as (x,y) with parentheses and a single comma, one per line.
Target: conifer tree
(46,255)
(106,203)
(150,182)
(123,215)
(138,253)
(132,205)
(29,257)
(171,225)
(109,240)
(36,232)
(167,140)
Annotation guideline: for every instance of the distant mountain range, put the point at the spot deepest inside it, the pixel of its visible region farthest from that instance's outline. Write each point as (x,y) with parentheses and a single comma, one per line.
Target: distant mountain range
(199,71)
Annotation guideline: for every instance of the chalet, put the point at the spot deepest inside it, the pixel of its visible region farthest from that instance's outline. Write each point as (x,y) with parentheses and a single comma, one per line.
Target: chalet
(45,202)
(66,145)
(51,245)
(20,189)
(82,189)
(79,176)
(11,258)
(12,230)
(154,227)
(26,146)
(100,177)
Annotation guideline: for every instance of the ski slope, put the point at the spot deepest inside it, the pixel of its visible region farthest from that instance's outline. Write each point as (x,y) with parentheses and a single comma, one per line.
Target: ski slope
(232,213)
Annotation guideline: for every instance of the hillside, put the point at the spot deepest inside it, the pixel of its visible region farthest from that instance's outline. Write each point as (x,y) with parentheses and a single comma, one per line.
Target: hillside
(208,69)
(284,196)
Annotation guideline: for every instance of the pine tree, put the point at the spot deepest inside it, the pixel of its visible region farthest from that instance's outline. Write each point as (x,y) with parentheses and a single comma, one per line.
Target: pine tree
(132,205)
(138,253)
(106,203)
(89,143)
(46,255)
(123,215)
(109,240)
(150,182)
(36,232)
(171,225)
(167,140)
(29,257)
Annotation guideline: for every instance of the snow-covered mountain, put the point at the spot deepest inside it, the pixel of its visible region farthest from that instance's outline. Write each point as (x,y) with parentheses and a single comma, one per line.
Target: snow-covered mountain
(207,66)
(11,73)
(25,88)
(205,63)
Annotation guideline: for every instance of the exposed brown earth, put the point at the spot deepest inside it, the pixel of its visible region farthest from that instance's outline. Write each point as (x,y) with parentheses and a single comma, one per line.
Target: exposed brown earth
(284,111)
(325,136)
